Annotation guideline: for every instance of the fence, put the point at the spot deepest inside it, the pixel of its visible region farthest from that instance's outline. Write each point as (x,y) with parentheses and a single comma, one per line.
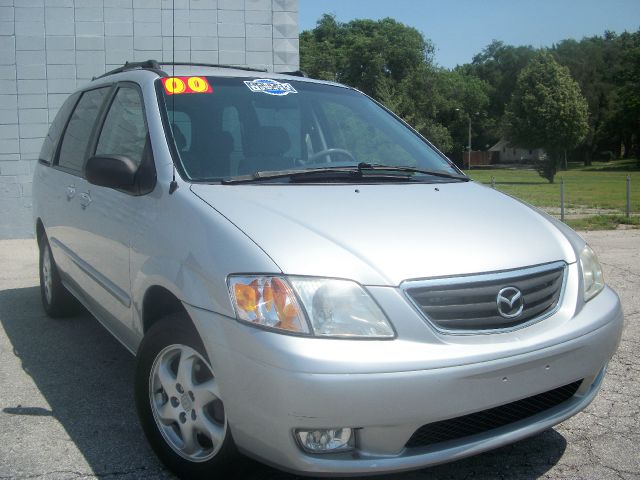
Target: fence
(585,211)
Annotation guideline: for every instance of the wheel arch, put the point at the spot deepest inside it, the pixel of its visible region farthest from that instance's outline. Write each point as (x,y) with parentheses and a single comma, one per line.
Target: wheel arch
(157,303)
(40,232)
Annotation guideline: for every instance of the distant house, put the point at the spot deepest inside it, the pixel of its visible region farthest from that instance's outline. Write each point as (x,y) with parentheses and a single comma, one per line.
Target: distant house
(504,152)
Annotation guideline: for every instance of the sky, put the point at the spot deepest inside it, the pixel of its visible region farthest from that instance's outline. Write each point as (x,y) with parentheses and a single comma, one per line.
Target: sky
(461,28)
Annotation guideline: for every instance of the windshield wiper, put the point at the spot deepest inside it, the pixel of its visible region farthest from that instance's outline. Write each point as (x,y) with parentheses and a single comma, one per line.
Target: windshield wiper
(363,167)
(363,171)
(327,173)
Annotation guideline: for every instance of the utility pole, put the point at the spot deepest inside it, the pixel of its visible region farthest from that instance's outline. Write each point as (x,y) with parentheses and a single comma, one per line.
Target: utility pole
(469,139)
(469,142)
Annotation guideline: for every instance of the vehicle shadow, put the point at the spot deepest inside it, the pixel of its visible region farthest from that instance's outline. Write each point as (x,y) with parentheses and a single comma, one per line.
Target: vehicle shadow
(86,377)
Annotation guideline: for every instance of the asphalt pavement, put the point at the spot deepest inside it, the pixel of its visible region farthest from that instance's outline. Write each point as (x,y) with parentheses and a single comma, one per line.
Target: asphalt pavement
(67,409)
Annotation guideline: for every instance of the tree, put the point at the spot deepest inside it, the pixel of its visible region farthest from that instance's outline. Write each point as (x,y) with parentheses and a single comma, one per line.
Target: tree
(592,62)
(363,53)
(546,110)
(498,65)
(319,56)
(457,97)
(625,117)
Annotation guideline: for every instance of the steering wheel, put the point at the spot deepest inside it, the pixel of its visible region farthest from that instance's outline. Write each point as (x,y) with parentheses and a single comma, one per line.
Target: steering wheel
(331,151)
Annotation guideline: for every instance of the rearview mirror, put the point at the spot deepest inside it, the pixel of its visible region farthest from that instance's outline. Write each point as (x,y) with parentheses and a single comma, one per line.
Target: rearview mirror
(113,171)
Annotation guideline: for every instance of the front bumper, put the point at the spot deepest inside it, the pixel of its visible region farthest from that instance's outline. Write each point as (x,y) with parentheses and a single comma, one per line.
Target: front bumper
(273,384)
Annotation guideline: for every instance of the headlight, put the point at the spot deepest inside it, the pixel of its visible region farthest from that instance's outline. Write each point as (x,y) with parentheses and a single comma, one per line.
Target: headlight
(340,308)
(331,308)
(267,301)
(592,277)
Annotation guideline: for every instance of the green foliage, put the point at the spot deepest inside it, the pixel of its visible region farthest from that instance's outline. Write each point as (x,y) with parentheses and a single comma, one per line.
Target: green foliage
(318,54)
(625,117)
(393,63)
(592,63)
(498,65)
(546,110)
(457,97)
(606,68)
(363,53)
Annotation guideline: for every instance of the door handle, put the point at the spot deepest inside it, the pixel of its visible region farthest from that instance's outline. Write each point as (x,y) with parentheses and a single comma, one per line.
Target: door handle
(71,192)
(85,199)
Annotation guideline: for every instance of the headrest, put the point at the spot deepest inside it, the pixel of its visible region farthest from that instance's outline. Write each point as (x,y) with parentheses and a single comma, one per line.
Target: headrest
(268,141)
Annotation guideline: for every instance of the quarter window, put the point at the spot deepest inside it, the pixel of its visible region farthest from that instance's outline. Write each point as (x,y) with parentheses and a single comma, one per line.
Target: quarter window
(53,135)
(125,130)
(73,151)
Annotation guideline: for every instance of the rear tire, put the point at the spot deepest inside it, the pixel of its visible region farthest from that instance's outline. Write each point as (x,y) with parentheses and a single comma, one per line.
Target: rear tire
(178,402)
(56,299)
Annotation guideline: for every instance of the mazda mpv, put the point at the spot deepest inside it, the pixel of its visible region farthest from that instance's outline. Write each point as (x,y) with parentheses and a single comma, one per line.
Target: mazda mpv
(305,279)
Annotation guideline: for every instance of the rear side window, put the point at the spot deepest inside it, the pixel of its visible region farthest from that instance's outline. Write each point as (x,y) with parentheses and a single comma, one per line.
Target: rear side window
(125,130)
(55,130)
(73,150)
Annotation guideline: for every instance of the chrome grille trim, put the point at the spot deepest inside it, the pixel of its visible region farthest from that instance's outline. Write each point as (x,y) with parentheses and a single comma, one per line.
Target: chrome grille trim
(484,287)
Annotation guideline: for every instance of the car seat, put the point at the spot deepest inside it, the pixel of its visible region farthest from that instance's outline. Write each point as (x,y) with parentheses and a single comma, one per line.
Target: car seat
(265,150)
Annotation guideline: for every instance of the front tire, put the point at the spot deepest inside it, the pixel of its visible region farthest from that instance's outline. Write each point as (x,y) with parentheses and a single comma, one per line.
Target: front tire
(179,401)
(56,299)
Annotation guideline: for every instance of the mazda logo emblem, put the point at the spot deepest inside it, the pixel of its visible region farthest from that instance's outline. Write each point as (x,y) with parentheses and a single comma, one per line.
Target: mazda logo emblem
(510,302)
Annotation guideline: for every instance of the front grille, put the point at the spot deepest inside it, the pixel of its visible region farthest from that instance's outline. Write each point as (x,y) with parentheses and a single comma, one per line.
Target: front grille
(470,303)
(486,420)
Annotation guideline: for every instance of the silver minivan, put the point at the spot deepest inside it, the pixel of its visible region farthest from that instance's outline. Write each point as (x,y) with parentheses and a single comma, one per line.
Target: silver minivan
(306,280)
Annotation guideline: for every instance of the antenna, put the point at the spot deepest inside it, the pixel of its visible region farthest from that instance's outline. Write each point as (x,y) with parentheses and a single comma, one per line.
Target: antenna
(173,186)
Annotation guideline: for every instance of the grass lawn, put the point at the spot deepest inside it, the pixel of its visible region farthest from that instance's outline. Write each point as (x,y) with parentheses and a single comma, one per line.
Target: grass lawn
(603,222)
(600,186)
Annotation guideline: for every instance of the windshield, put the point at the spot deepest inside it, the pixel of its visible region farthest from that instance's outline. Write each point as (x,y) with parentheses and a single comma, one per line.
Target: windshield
(229,127)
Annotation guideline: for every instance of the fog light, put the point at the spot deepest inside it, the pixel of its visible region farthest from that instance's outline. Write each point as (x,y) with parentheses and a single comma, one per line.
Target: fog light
(326,440)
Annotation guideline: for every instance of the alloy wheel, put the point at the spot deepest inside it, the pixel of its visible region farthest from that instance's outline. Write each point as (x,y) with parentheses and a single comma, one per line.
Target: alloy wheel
(186,404)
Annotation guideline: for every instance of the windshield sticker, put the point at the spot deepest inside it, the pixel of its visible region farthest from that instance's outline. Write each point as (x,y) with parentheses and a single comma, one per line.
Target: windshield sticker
(179,85)
(270,87)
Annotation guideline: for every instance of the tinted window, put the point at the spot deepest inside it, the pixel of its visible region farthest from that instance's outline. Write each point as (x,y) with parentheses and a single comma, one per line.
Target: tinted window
(55,130)
(231,124)
(239,128)
(124,131)
(76,138)
(287,118)
(350,130)
(182,131)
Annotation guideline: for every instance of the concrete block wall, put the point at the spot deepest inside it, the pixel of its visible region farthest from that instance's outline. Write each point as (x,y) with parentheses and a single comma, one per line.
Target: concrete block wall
(48,48)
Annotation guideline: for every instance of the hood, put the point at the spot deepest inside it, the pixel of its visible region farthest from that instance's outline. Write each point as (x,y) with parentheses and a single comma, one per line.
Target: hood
(384,234)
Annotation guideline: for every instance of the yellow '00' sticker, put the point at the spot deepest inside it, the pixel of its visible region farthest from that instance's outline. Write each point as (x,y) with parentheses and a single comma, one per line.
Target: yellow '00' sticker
(179,85)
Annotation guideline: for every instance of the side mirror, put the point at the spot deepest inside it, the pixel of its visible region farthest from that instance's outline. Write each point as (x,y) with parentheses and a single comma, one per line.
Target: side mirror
(113,171)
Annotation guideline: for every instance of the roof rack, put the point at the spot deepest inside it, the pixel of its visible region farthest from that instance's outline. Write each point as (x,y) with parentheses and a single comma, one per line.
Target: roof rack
(294,73)
(215,65)
(155,66)
(152,65)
